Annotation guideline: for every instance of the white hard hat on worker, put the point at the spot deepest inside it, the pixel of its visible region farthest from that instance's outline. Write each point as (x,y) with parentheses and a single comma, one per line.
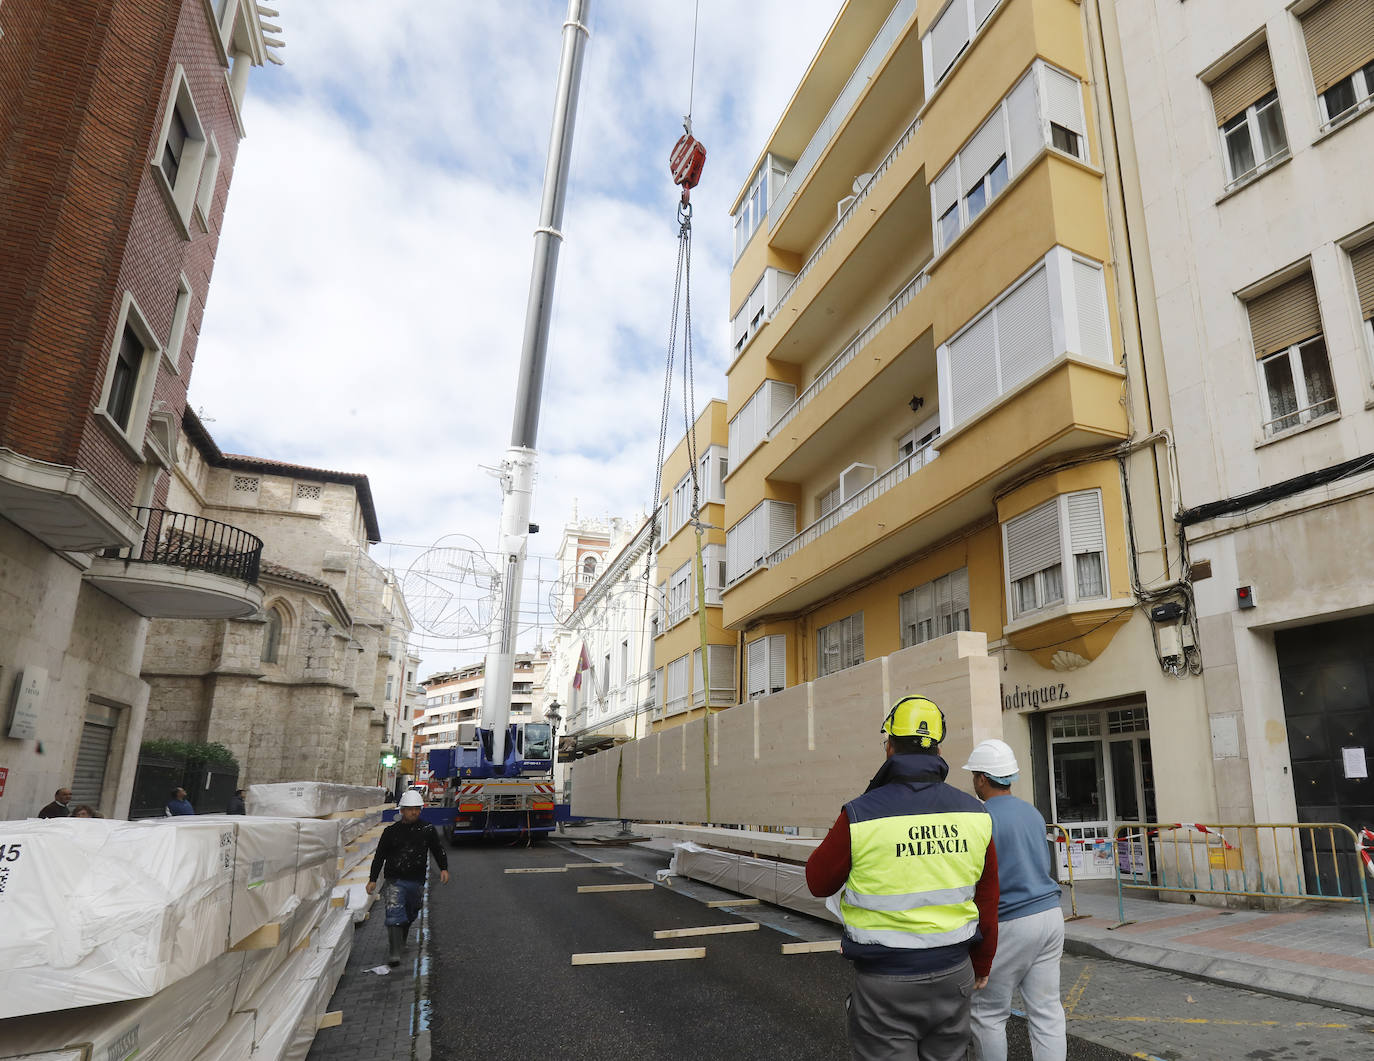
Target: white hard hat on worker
(412,799)
(995,760)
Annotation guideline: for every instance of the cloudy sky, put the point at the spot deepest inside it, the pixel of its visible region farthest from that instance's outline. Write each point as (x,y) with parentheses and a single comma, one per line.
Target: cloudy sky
(368,299)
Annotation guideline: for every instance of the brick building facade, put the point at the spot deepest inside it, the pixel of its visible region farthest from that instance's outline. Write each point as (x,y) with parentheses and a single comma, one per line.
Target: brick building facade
(119,127)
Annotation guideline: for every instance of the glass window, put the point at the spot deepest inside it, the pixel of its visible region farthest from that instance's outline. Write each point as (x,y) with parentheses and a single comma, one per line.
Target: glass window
(1065,140)
(1254,137)
(1297,386)
(125,379)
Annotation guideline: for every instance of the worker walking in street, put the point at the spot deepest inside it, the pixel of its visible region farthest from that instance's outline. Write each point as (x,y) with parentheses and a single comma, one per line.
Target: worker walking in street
(403,852)
(912,871)
(1030,930)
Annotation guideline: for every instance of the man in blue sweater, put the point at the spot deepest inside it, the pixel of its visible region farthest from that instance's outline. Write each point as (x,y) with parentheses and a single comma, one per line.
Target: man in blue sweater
(1030,923)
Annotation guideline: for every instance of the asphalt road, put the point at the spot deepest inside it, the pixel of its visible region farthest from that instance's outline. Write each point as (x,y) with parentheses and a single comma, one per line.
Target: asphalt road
(501,983)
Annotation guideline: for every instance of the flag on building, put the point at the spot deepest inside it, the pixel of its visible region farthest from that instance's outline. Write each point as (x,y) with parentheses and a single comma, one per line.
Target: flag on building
(583,663)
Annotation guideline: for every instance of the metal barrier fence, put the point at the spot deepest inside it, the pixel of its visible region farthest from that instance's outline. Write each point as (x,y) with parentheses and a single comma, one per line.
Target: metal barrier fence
(1056,834)
(1315,861)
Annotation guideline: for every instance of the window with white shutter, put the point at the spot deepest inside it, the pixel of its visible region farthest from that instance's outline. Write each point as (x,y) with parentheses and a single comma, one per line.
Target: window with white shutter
(1064,108)
(982,9)
(1090,292)
(749,427)
(983,166)
(680,595)
(720,673)
(767,665)
(1023,122)
(713,563)
(1025,332)
(1038,542)
(675,699)
(934,609)
(840,644)
(944,194)
(973,378)
(768,527)
(947,40)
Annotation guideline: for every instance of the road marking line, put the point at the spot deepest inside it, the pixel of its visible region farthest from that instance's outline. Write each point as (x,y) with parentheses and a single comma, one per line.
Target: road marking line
(814,947)
(1075,994)
(706,930)
(733,902)
(1161,1019)
(617,957)
(538,869)
(584,889)
(594,865)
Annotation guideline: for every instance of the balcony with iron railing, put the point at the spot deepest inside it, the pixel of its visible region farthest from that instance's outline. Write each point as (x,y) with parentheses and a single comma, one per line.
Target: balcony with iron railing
(183,567)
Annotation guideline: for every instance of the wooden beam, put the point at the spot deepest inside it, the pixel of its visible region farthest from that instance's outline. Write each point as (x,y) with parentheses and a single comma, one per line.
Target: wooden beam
(706,930)
(264,938)
(733,902)
(537,869)
(819,946)
(588,888)
(594,865)
(338,900)
(332,1019)
(619,957)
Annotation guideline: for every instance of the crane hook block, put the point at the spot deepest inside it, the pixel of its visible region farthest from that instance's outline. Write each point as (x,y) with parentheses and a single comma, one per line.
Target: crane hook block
(686,162)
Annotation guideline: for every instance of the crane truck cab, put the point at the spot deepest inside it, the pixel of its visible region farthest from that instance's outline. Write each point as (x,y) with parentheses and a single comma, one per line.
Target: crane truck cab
(483,798)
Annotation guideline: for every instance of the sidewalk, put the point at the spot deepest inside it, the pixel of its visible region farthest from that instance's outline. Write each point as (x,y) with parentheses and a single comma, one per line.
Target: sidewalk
(379,1012)
(1316,952)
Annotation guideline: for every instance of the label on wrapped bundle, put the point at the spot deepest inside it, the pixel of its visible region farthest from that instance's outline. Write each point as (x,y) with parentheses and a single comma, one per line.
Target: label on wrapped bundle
(257,873)
(123,1048)
(10,856)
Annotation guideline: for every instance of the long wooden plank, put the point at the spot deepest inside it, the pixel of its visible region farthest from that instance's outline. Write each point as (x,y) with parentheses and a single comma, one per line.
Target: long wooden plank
(819,946)
(733,902)
(265,938)
(618,957)
(585,889)
(706,930)
(332,1019)
(594,865)
(538,869)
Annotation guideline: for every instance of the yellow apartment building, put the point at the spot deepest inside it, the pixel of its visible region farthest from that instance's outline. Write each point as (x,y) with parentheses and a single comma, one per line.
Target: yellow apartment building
(677,637)
(946,407)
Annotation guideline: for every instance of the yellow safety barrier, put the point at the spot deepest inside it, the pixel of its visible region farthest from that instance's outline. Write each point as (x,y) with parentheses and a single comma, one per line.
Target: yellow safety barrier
(1057,834)
(1318,861)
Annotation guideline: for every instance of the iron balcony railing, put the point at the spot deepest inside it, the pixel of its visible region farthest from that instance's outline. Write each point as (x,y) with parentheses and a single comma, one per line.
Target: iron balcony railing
(179,539)
(905,467)
(828,374)
(858,80)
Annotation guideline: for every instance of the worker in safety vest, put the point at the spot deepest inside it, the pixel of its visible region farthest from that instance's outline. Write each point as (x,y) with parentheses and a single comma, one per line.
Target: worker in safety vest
(911,869)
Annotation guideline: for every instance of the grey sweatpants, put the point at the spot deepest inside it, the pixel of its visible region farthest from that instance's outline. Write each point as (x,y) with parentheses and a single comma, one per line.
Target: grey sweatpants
(1028,954)
(911,1018)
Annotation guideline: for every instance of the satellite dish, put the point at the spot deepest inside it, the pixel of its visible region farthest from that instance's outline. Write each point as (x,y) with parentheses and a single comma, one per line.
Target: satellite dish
(452,589)
(861,181)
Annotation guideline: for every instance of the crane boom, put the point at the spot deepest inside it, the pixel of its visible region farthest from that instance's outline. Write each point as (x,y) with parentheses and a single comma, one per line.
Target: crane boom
(517,469)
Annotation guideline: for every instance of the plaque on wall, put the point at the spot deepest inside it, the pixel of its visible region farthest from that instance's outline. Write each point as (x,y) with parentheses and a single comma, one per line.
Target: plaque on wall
(29,686)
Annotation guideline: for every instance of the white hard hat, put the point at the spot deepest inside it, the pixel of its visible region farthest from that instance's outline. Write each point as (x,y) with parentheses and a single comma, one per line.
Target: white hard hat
(994,758)
(412,799)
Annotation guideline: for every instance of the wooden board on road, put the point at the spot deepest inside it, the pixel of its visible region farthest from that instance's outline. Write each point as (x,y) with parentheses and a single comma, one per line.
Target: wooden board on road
(538,869)
(618,957)
(818,946)
(706,930)
(733,902)
(594,865)
(584,889)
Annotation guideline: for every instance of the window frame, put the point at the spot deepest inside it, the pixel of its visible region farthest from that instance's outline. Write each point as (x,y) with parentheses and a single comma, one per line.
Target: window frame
(945,582)
(176,335)
(1365,76)
(181,195)
(1303,414)
(853,641)
(131,318)
(1256,140)
(774,645)
(1067,562)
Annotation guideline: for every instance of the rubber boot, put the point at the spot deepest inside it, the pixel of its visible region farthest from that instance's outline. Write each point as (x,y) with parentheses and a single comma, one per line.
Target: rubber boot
(396,937)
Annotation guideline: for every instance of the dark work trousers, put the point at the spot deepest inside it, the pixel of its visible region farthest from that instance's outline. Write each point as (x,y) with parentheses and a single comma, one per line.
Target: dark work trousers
(911,1018)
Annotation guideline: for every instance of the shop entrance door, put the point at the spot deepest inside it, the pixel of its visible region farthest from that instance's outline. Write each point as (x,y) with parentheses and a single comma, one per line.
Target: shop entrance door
(1103,774)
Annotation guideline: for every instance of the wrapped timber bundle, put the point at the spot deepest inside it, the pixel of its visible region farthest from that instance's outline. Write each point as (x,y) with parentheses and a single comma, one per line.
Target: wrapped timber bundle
(772,880)
(167,937)
(310,799)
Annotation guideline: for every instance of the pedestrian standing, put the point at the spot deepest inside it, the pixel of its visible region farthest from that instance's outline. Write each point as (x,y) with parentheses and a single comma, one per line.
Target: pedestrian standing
(1030,922)
(59,807)
(915,869)
(179,804)
(403,852)
(236,804)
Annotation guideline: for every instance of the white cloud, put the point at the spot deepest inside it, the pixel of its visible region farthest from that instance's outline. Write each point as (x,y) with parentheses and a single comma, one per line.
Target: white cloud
(368,300)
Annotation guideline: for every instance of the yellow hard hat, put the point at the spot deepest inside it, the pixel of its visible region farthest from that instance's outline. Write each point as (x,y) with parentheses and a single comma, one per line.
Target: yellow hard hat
(917,718)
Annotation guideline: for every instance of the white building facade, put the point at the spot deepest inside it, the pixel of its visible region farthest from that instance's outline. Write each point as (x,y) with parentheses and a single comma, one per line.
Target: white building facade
(1253,140)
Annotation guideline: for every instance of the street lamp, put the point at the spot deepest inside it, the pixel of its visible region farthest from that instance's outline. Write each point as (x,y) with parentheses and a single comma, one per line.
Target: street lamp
(553,716)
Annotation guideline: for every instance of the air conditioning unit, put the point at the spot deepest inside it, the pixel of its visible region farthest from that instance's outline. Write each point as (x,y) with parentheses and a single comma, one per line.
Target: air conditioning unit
(467,734)
(855,478)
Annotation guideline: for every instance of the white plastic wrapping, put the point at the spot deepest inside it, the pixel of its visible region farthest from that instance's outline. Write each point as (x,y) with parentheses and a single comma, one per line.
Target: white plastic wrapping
(310,799)
(781,883)
(234,1041)
(707,865)
(319,847)
(176,1024)
(96,911)
(355,827)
